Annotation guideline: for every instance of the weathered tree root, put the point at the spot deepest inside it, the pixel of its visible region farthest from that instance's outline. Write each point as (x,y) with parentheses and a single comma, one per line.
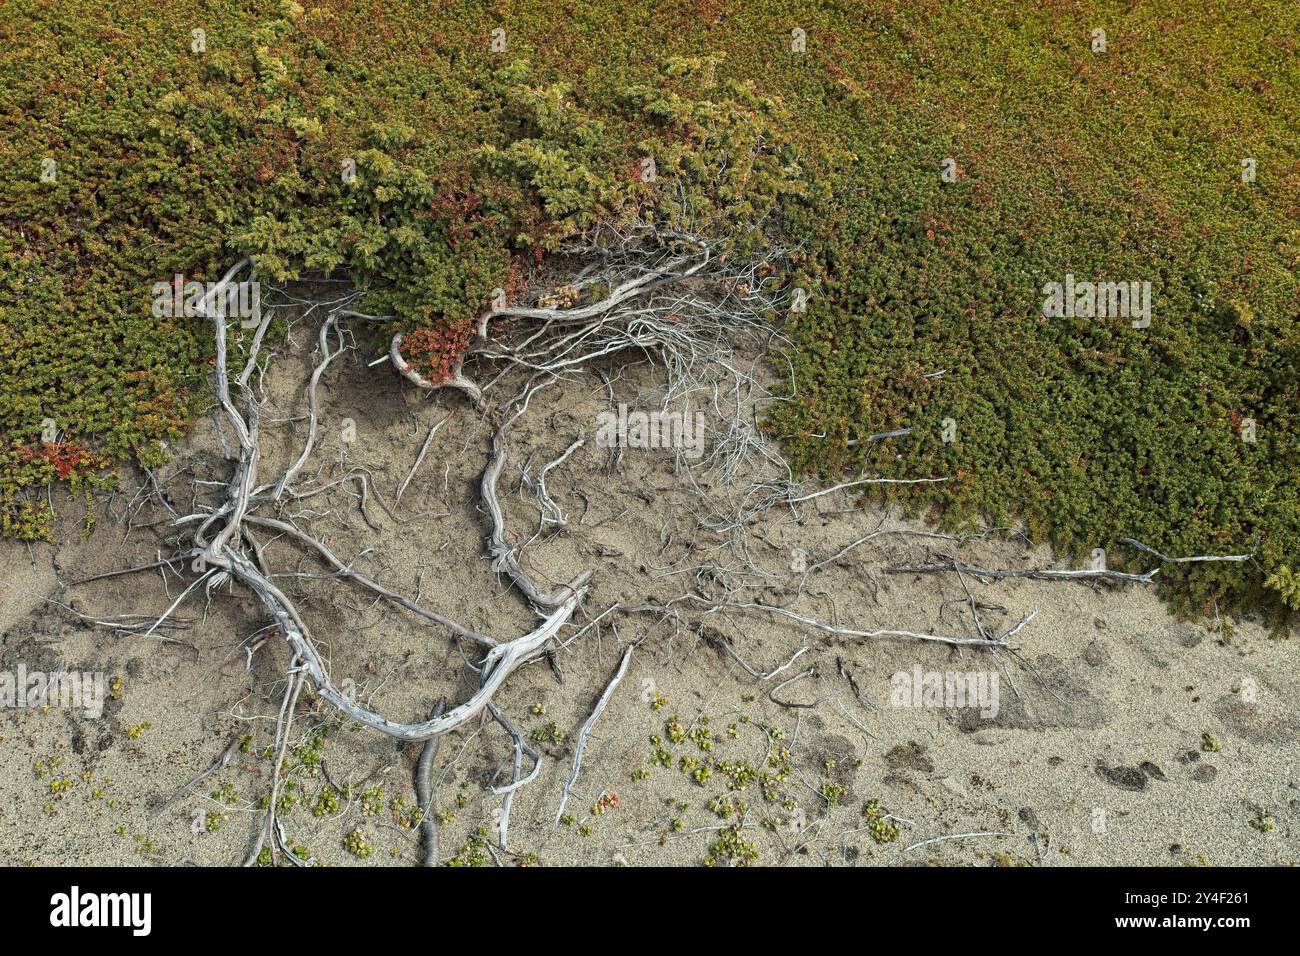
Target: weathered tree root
(642,314)
(226,551)
(521,749)
(952,565)
(500,662)
(583,734)
(219,553)
(505,556)
(222,760)
(424,792)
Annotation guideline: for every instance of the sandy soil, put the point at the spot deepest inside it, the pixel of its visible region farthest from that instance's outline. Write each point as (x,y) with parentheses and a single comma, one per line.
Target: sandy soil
(1097,754)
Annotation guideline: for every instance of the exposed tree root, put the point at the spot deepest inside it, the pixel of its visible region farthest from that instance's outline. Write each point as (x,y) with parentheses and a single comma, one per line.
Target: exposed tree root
(585,732)
(424,792)
(665,297)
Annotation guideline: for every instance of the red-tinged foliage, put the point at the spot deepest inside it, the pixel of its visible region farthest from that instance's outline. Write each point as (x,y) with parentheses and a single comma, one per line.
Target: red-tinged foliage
(435,353)
(68,459)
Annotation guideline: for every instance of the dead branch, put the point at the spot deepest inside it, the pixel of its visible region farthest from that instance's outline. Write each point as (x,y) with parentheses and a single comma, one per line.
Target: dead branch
(424,791)
(585,732)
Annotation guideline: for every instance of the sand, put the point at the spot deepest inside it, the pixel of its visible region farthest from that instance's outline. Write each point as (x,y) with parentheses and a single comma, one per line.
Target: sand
(1097,754)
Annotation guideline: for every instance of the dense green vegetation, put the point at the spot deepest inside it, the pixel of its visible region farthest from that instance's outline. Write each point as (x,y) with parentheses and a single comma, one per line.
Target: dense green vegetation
(1115,165)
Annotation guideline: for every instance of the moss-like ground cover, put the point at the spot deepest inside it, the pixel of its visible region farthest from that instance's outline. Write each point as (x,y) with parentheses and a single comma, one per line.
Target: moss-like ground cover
(1121,165)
